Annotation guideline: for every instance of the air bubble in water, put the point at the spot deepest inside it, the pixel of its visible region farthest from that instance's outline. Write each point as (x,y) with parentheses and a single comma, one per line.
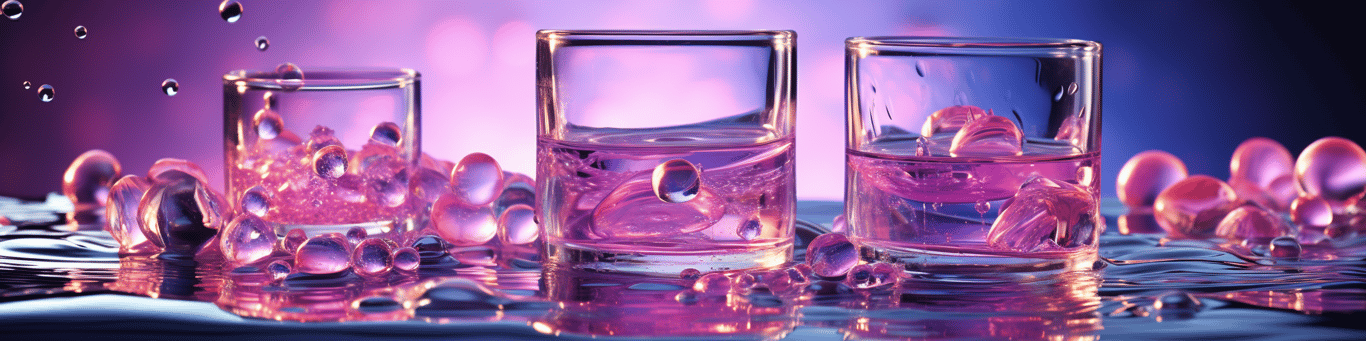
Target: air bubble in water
(321,255)
(268,124)
(247,239)
(46,93)
(80,32)
(289,76)
(372,257)
(230,10)
(330,162)
(170,86)
(13,9)
(86,182)
(831,255)
(262,43)
(676,181)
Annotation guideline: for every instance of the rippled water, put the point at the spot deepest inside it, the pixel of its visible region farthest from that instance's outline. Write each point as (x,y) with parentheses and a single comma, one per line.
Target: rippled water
(64,278)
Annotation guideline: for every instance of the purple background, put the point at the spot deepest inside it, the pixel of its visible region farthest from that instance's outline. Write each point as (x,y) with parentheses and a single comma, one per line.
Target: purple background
(1192,78)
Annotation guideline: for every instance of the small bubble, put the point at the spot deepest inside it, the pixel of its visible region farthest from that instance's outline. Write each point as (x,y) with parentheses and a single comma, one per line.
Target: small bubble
(330,162)
(406,259)
(46,93)
(230,10)
(80,32)
(1284,247)
(170,86)
(13,9)
(750,230)
(27,85)
(289,76)
(279,269)
(386,133)
(920,68)
(262,43)
(676,181)
(356,234)
(982,206)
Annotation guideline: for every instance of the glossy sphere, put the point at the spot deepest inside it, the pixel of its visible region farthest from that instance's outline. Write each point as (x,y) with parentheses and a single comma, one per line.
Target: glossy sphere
(262,43)
(356,234)
(279,269)
(1145,175)
(170,170)
(406,259)
(950,120)
(172,218)
(1285,247)
(12,9)
(1251,223)
(256,201)
(387,133)
(988,136)
(831,255)
(246,240)
(372,257)
(517,226)
(230,10)
(268,123)
(1193,207)
(461,224)
(86,182)
(289,76)
(170,87)
(321,255)
(122,214)
(46,93)
(676,181)
(1332,168)
(80,32)
(1262,171)
(330,162)
(477,179)
(1311,212)
(293,239)
(690,274)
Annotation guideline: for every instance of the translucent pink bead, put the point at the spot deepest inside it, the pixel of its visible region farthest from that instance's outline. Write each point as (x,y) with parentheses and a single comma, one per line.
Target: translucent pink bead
(1311,212)
(1145,175)
(246,240)
(477,179)
(839,225)
(676,181)
(122,214)
(988,136)
(633,211)
(1262,171)
(712,283)
(293,239)
(1332,168)
(406,259)
(1194,207)
(86,182)
(461,224)
(330,162)
(325,254)
(831,255)
(950,120)
(172,217)
(1251,223)
(1046,215)
(517,226)
(372,257)
(356,234)
(173,170)
(279,269)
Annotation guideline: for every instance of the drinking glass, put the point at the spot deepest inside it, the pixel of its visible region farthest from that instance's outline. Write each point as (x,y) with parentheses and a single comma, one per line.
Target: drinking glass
(324,151)
(973,153)
(659,151)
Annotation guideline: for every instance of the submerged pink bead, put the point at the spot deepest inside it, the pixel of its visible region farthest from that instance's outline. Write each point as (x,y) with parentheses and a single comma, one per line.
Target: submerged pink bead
(477,179)
(1311,212)
(633,211)
(1046,215)
(321,255)
(1262,171)
(988,136)
(86,182)
(246,240)
(831,255)
(1145,175)
(1194,207)
(950,120)
(461,224)
(1253,224)
(1332,168)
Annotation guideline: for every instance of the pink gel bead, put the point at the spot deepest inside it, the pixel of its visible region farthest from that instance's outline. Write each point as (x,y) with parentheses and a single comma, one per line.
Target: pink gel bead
(1046,215)
(1146,175)
(406,259)
(325,254)
(1251,223)
(831,255)
(1262,171)
(461,224)
(372,257)
(246,240)
(712,283)
(949,120)
(477,179)
(171,170)
(988,136)
(1310,212)
(86,182)
(1194,207)
(1332,168)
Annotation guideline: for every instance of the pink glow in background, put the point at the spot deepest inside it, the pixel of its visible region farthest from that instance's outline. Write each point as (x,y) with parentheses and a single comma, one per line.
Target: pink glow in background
(1191,78)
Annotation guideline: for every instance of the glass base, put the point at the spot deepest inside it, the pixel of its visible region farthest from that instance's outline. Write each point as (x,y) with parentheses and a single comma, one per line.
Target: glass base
(384,228)
(968,261)
(667,264)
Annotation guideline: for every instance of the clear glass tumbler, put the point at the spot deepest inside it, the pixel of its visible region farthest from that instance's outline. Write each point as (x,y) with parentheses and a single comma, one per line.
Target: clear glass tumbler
(324,151)
(973,153)
(659,151)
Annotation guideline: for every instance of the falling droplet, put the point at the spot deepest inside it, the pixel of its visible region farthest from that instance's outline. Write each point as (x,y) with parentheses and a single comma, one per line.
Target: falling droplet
(982,206)
(262,43)
(170,86)
(676,181)
(80,32)
(13,9)
(230,10)
(330,162)
(46,93)
(289,76)
(920,68)
(386,133)
(27,85)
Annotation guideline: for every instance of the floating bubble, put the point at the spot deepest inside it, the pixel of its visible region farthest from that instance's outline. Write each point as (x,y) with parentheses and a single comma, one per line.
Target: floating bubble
(633,211)
(170,170)
(461,224)
(170,86)
(477,179)
(230,10)
(279,269)
(86,182)
(256,200)
(831,255)
(386,133)
(1253,224)
(988,136)
(750,230)
(46,93)
(356,234)
(713,283)
(330,162)
(1311,212)
(1046,215)
(1193,207)
(690,274)
(12,9)
(293,239)
(289,77)
(80,32)
(321,255)
(676,181)
(246,240)
(1284,247)
(171,217)
(122,214)
(372,257)
(1332,168)
(27,85)
(1145,175)
(406,259)
(517,226)
(262,43)
(950,120)
(1262,171)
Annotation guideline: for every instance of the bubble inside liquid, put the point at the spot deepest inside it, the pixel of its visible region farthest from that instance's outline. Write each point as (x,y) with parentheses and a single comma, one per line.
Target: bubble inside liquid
(676,181)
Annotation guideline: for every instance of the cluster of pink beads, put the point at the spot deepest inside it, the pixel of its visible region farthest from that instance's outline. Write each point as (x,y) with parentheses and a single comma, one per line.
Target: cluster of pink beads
(1321,192)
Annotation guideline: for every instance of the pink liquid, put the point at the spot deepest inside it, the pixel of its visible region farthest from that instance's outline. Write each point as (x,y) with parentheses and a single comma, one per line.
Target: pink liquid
(598,195)
(940,204)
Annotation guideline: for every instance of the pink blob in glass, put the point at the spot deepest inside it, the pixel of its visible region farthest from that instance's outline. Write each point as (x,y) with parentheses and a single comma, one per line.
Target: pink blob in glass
(1332,168)
(1146,175)
(1262,171)
(1193,207)
(988,136)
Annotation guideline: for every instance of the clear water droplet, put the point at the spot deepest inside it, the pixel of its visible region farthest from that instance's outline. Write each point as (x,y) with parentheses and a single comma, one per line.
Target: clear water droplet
(831,255)
(356,234)
(920,68)
(406,259)
(46,93)
(27,85)
(387,133)
(372,257)
(690,274)
(321,255)
(330,162)
(289,76)
(1145,175)
(246,240)
(676,181)
(230,10)
(262,43)
(1284,247)
(80,32)
(170,86)
(1072,88)
(517,225)
(12,9)
(86,182)
(750,230)
(462,224)
(477,179)
(256,201)
(988,136)
(293,239)
(279,269)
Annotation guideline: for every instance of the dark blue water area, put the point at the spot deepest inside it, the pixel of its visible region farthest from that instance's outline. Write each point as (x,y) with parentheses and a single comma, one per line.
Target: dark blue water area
(66,280)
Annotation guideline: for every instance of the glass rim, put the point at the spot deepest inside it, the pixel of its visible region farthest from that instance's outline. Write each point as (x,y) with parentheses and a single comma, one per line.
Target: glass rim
(647,37)
(326,78)
(1053,47)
